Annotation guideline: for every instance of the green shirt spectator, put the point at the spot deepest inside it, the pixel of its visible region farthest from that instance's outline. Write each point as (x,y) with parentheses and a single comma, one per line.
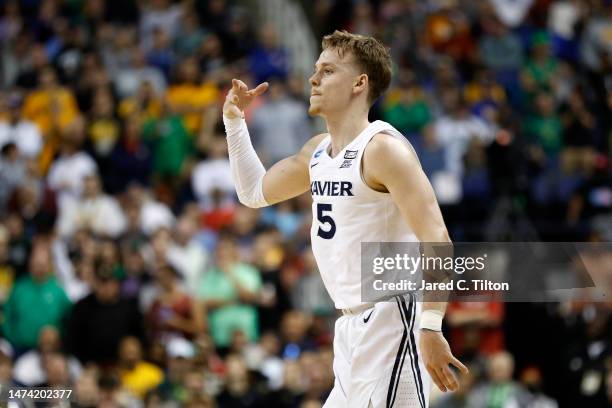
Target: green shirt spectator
(407,110)
(541,70)
(229,292)
(545,128)
(36,301)
(170,142)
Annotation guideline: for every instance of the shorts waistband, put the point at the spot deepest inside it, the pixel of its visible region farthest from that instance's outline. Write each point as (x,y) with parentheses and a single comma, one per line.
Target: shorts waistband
(352,311)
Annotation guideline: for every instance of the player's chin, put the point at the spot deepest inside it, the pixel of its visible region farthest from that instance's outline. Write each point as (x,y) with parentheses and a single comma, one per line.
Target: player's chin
(314,110)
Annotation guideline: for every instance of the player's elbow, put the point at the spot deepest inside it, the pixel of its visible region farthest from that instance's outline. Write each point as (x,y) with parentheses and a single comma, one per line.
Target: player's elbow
(248,201)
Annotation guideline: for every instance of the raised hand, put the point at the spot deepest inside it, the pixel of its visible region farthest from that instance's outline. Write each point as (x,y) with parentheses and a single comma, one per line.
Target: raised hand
(437,356)
(239,97)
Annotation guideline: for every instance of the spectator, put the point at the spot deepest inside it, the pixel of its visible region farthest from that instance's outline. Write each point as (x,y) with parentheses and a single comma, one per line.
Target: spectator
(190,35)
(12,173)
(294,331)
(36,301)
(16,129)
(595,47)
(186,254)
(136,271)
(454,132)
(137,375)
(579,128)
(29,369)
(541,71)
(94,211)
(6,371)
(190,96)
(230,291)
(159,15)
(101,319)
(7,271)
(53,108)
(564,19)
(238,389)
(499,389)
(68,171)
(128,79)
(104,129)
(180,354)
(476,327)
(150,213)
(268,59)
(280,126)
(160,55)
(500,49)
(532,380)
(309,294)
(144,104)
(173,312)
(56,371)
(447,32)
(544,128)
(171,145)
(131,158)
(407,108)
(212,174)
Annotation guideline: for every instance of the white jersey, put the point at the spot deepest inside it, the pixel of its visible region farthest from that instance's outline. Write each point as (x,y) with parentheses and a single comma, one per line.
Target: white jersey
(347,212)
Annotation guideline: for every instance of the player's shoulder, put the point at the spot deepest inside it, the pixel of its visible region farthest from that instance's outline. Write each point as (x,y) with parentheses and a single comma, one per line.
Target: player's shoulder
(387,148)
(312,143)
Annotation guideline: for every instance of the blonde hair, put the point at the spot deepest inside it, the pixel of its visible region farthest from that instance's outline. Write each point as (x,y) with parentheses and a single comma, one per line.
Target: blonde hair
(371,55)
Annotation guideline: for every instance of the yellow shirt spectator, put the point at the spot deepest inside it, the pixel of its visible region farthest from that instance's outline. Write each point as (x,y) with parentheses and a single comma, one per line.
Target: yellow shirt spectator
(191,100)
(52,108)
(144,104)
(46,107)
(142,378)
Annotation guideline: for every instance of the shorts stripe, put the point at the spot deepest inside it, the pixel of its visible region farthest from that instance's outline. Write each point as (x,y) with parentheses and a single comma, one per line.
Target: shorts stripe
(414,357)
(399,361)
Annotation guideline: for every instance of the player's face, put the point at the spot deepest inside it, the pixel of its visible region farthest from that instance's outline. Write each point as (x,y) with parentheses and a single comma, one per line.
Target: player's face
(332,82)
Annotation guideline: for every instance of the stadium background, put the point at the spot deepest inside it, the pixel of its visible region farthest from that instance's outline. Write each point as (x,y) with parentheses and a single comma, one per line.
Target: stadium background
(129,273)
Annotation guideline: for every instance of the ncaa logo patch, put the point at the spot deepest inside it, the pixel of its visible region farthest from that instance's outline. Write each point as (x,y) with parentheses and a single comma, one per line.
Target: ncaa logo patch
(318,153)
(350,154)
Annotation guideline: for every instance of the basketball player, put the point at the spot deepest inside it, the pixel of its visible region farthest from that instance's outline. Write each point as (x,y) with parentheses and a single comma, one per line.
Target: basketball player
(367,185)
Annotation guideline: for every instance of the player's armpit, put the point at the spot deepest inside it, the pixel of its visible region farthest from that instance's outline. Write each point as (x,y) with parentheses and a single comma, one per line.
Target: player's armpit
(289,177)
(390,164)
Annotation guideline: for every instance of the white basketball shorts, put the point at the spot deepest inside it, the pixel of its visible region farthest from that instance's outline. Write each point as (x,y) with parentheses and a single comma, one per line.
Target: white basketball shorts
(376,360)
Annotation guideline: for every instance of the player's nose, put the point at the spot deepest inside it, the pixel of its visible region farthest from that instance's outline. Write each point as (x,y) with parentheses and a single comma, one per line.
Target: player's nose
(314,80)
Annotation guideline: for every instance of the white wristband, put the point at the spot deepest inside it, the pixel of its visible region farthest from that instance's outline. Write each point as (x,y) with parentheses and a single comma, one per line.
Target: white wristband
(432,320)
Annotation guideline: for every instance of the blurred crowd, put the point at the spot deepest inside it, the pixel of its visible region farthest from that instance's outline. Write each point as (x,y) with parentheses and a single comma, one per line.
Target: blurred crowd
(129,273)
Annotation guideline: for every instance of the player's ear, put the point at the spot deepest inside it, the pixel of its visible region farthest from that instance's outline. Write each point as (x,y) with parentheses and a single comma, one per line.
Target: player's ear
(361,83)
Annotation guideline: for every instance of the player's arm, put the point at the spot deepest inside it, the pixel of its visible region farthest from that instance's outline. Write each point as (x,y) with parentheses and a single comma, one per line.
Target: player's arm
(255,186)
(391,165)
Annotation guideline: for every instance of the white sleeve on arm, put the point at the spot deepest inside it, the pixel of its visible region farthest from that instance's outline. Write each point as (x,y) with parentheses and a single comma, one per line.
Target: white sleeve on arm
(247,170)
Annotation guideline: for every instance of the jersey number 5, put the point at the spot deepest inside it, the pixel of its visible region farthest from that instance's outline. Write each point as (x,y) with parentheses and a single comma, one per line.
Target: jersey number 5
(325,219)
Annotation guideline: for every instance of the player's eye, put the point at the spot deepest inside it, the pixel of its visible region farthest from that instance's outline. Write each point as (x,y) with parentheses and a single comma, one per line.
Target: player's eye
(328,71)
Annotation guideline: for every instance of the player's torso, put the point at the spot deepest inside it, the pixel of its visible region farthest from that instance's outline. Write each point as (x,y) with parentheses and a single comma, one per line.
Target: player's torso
(347,212)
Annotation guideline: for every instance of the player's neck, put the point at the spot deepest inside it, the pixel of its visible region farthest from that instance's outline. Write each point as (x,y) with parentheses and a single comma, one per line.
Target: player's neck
(343,129)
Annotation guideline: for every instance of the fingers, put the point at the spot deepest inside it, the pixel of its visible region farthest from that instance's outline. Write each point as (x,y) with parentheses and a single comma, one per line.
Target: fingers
(238,86)
(242,86)
(261,88)
(450,381)
(435,377)
(459,365)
